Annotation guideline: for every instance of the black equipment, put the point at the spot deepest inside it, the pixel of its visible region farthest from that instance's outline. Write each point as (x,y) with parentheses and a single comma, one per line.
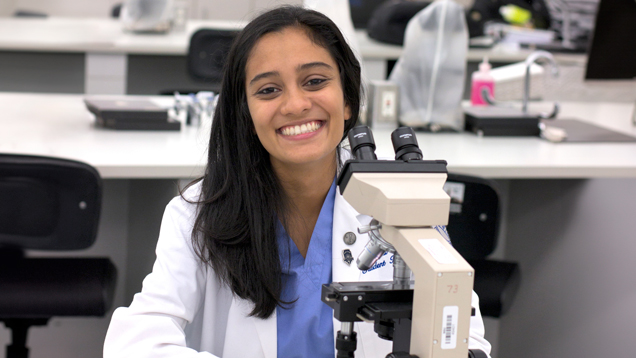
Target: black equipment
(388,21)
(362,10)
(612,53)
(484,11)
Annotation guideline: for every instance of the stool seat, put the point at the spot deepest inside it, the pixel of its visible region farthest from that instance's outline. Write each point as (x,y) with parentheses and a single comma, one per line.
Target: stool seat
(47,287)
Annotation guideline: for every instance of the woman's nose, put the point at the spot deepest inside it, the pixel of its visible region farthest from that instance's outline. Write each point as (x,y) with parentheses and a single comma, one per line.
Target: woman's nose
(295,102)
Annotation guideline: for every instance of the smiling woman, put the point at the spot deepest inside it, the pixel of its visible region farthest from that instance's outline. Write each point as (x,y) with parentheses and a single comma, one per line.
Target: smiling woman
(244,251)
(295,97)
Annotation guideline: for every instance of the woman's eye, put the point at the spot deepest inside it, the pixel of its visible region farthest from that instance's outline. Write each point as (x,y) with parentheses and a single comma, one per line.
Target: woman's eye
(316,81)
(267,90)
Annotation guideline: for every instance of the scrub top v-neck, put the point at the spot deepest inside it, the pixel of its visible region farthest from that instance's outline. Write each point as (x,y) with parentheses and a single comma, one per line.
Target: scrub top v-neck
(305,328)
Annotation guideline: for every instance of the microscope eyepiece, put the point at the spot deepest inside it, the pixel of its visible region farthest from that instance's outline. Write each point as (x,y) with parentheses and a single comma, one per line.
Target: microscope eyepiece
(362,143)
(405,144)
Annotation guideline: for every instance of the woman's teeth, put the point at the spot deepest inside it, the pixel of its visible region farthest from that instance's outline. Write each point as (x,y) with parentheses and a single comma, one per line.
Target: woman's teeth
(301,129)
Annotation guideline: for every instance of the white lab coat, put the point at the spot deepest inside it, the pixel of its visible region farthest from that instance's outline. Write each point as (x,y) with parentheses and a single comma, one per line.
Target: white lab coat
(183,311)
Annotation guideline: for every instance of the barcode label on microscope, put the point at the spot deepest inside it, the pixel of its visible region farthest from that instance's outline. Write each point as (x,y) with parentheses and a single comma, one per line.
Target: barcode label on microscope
(449,327)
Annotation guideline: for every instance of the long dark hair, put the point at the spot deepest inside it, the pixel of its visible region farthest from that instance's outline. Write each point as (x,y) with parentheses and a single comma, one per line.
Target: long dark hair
(241,196)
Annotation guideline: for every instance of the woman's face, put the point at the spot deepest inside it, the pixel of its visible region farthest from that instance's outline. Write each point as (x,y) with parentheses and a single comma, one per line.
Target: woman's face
(295,98)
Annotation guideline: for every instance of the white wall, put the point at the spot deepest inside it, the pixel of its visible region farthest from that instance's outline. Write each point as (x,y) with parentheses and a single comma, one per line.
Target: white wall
(574,242)
(232,9)
(6,7)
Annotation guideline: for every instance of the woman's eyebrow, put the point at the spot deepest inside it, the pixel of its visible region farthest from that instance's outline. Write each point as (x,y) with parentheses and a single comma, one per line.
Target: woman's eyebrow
(264,75)
(302,67)
(313,65)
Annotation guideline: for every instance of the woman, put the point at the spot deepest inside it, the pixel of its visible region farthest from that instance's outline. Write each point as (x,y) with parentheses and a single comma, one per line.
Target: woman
(243,253)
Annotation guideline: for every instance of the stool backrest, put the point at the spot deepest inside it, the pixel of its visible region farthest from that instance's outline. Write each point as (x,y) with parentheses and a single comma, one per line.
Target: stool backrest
(48,203)
(473,224)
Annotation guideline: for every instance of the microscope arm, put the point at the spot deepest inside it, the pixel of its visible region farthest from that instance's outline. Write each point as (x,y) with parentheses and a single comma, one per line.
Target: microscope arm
(442,292)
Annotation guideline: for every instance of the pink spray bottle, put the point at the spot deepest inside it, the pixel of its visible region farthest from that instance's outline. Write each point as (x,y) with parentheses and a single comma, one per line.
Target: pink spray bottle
(481,79)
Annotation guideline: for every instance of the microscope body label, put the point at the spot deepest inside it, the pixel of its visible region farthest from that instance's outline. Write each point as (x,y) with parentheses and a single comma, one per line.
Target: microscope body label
(438,251)
(450,316)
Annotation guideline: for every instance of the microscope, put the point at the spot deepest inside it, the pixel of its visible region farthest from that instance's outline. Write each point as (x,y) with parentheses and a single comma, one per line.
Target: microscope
(428,317)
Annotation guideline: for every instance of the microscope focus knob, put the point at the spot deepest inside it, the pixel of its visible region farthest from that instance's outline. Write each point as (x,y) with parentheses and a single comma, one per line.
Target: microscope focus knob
(366,228)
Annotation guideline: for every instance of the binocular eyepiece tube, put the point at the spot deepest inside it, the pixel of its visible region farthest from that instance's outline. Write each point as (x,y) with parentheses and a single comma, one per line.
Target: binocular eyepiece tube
(403,139)
(405,144)
(362,143)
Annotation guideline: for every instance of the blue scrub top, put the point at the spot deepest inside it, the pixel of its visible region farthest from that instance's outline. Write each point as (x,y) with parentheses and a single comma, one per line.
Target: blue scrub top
(306,328)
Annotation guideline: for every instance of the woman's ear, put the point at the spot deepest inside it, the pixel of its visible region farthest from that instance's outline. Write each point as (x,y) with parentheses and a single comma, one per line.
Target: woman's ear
(347,112)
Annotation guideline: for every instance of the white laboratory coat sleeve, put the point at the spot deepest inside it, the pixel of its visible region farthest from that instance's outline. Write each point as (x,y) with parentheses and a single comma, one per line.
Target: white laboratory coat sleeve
(170,304)
(476,338)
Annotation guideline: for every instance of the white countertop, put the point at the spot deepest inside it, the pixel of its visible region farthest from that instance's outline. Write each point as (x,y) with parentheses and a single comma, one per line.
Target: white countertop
(60,125)
(96,35)
(106,35)
(533,157)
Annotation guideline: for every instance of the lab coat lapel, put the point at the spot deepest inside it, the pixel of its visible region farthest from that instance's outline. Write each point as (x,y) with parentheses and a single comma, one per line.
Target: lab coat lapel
(345,221)
(243,330)
(266,329)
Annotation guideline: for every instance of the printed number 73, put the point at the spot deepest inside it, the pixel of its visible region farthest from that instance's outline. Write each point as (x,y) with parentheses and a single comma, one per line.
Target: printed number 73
(452,288)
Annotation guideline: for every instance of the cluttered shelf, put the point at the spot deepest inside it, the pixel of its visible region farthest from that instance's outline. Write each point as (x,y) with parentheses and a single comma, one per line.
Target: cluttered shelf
(102,42)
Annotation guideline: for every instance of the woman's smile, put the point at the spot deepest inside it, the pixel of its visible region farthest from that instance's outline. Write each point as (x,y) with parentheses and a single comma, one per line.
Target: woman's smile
(300,131)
